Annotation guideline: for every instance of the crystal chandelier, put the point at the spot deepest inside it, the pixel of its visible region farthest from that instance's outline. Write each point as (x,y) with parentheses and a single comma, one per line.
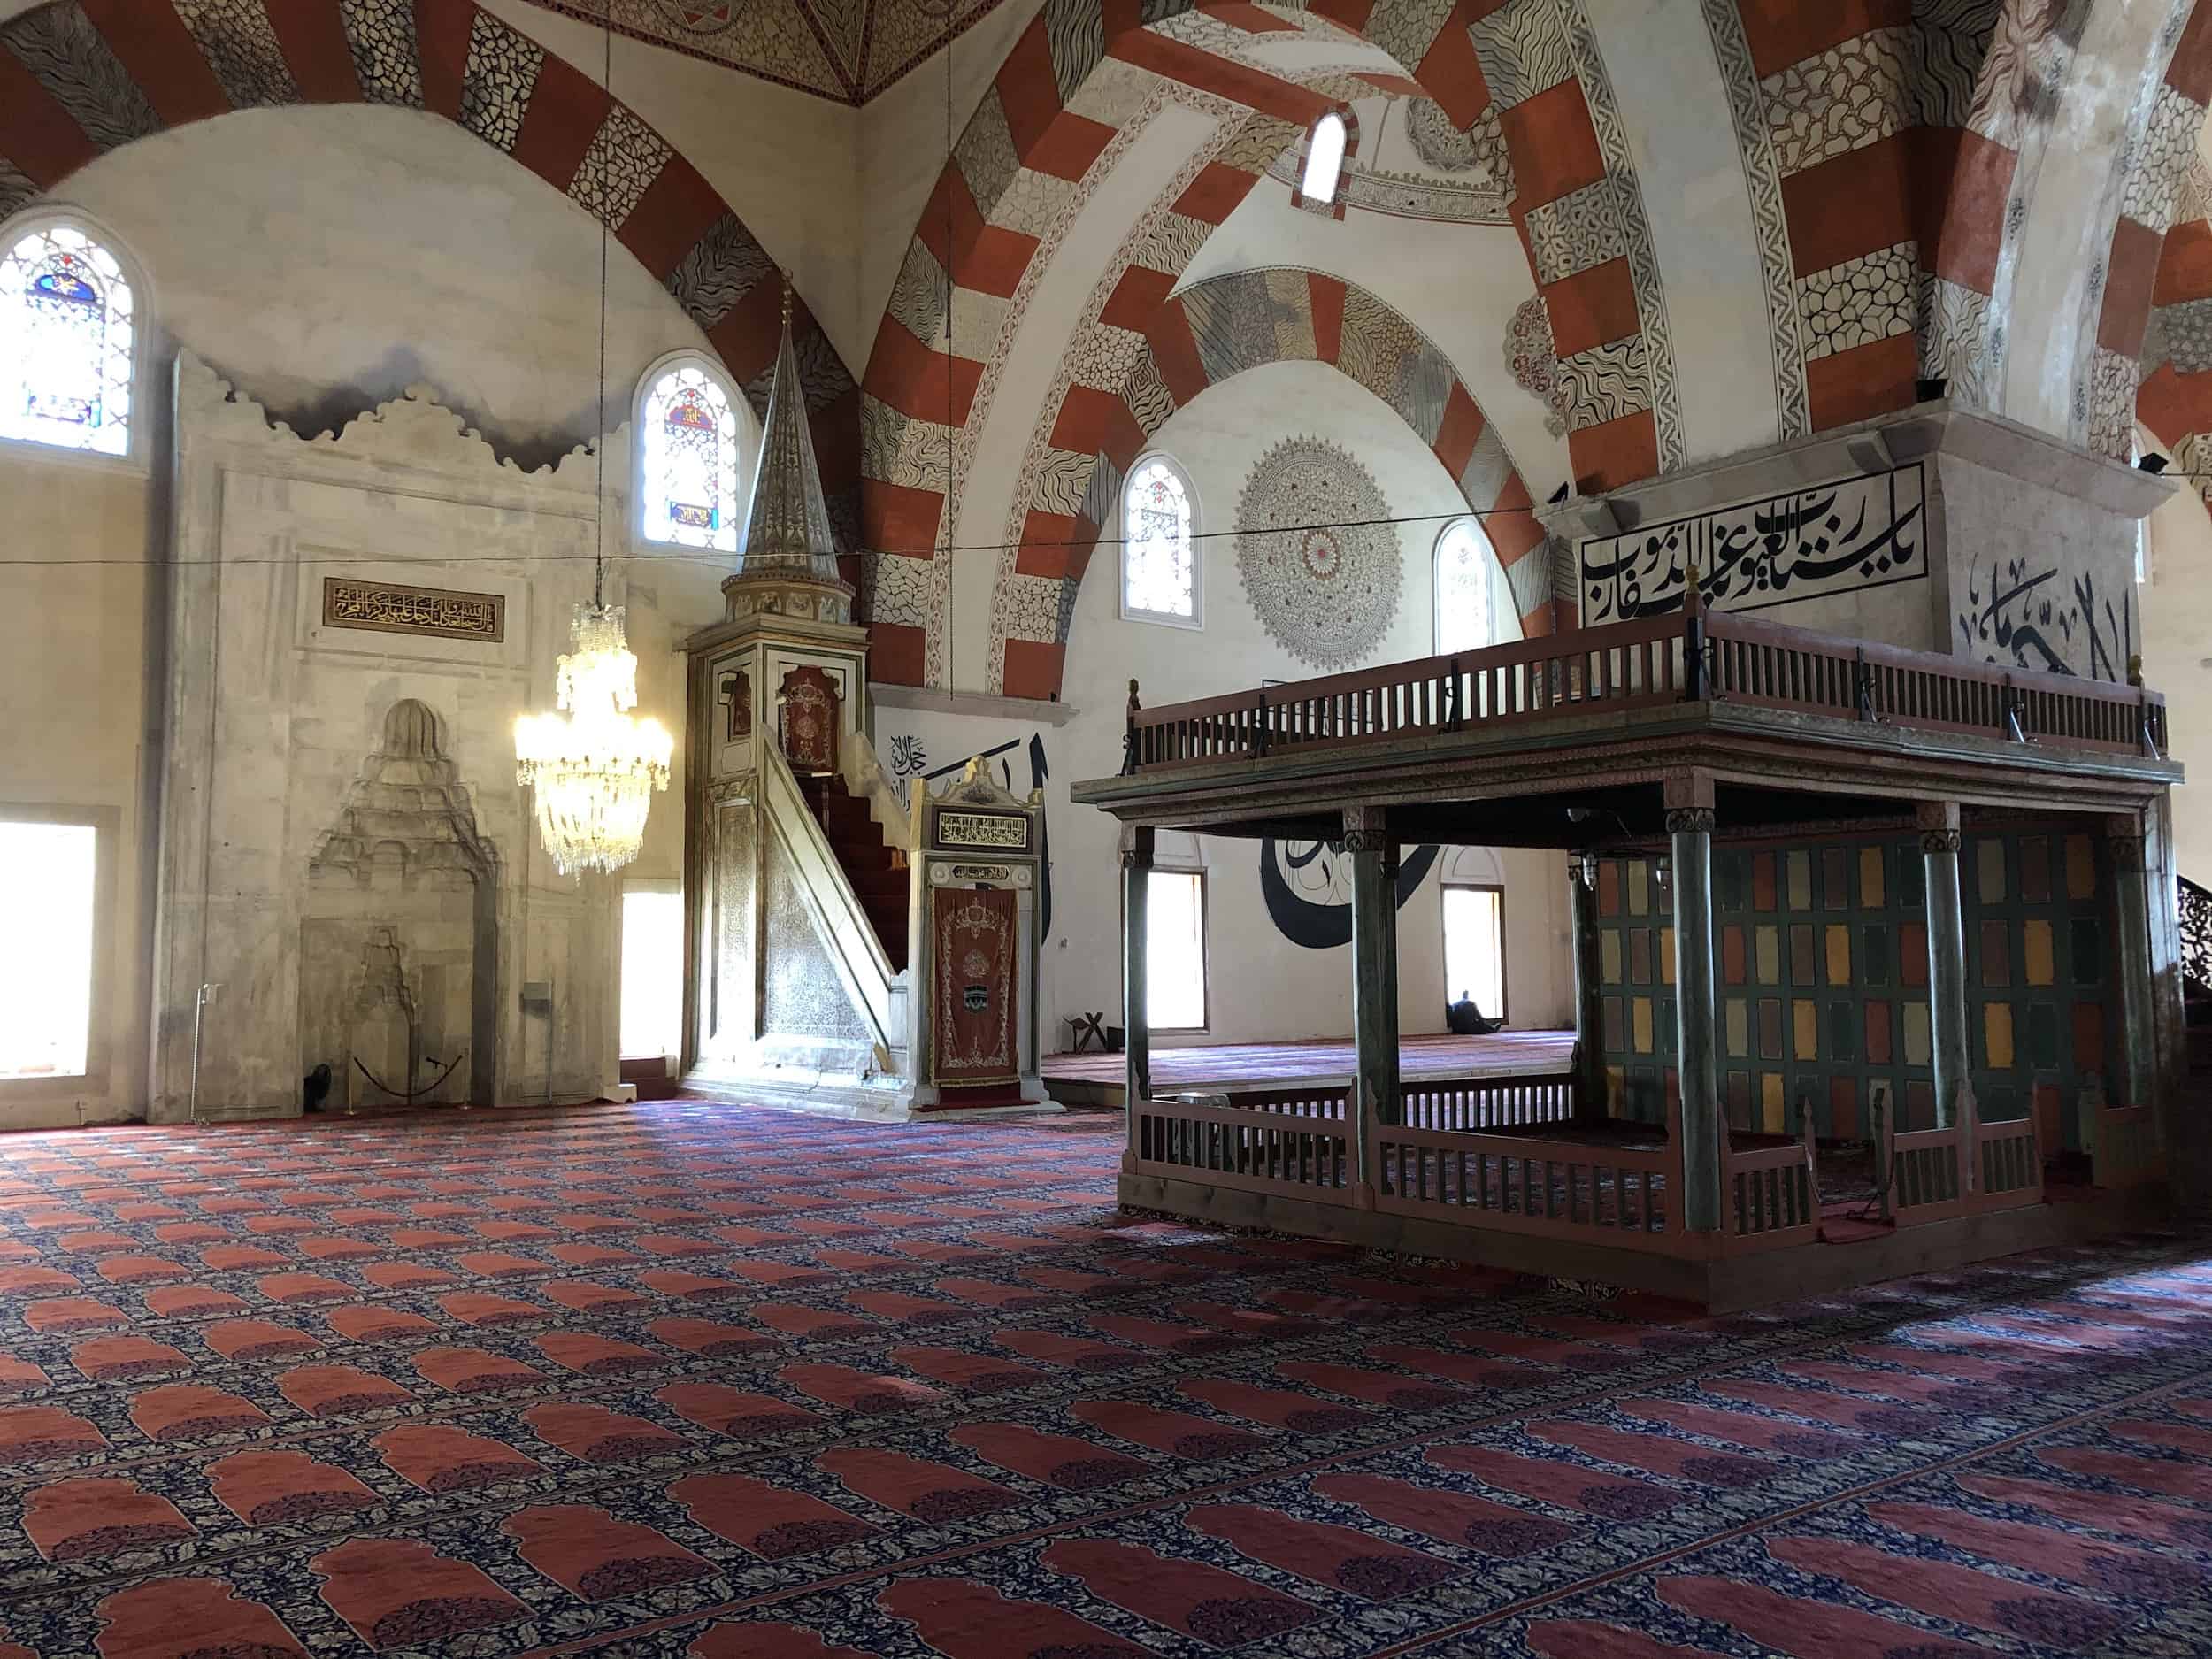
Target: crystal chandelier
(594,766)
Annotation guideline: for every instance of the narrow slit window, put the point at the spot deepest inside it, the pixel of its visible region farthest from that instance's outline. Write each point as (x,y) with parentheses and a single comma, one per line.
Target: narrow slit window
(1325,159)
(48,877)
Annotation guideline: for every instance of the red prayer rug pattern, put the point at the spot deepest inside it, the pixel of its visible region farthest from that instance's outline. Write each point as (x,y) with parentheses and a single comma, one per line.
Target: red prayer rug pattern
(689,1379)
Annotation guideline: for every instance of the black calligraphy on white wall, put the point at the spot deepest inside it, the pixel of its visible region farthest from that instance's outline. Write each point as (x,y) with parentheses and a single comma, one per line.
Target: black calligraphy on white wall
(1308,888)
(1836,538)
(2026,616)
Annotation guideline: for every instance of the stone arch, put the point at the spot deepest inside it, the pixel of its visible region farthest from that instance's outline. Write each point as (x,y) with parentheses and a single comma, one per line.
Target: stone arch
(1210,333)
(80,78)
(1526,76)
(1908,146)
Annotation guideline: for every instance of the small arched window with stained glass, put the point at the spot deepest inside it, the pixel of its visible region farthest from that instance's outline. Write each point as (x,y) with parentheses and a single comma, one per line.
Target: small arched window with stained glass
(68,340)
(1471,605)
(1159,570)
(687,425)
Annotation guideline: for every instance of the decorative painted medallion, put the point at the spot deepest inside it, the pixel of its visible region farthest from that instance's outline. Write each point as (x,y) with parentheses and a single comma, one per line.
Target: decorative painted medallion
(1534,361)
(1319,565)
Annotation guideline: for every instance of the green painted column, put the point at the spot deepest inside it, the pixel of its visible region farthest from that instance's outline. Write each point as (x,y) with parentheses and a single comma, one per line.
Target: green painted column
(1939,843)
(1136,912)
(1697,1050)
(1589,1007)
(2131,912)
(1376,1095)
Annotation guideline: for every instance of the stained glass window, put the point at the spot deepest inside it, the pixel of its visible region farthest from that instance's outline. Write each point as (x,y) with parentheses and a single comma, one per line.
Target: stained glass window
(67,342)
(689,438)
(1469,595)
(1159,575)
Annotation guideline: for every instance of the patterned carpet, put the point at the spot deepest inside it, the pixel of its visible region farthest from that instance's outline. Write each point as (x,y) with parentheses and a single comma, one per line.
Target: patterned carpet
(695,1380)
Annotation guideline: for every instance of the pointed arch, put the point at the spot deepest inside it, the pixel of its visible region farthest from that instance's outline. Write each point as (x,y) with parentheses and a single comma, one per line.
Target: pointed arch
(82,78)
(1211,332)
(1526,70)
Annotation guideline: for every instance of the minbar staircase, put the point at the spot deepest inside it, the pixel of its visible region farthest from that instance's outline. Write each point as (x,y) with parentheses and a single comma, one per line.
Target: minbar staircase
(876,871)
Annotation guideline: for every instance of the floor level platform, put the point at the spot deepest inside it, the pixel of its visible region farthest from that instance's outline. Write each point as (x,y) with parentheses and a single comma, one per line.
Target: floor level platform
(1723,1282)
(697,1381)
(1098,1079)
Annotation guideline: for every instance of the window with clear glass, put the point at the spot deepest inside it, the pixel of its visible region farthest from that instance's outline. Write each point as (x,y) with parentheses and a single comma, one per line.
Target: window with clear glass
(1325,159)
(48,877)
(1159,572)
(1474,947)
(1175,951)
(68,342)
(688,430)
(1469,593)
(652,969)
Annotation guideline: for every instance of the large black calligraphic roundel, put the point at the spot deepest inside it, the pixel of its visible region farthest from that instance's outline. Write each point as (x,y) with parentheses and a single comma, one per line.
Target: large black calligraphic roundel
(1307,888)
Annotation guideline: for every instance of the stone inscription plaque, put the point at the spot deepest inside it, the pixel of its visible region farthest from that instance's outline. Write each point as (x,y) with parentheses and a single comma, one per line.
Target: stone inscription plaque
(397,608)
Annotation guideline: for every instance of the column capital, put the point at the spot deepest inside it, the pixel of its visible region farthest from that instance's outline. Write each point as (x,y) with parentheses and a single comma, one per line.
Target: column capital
(1937,815)
(1941,841)
(1690,821)
(1366,830)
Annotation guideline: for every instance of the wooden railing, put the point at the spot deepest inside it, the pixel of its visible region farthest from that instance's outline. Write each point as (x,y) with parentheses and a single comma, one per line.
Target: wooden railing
(1256,1151)
(1771,1194)
(1971,1168)
(1609,1195)
(1698,656)
(1469,1104)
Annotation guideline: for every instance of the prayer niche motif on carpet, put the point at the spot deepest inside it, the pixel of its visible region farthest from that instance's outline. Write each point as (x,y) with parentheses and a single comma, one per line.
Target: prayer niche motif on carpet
(1319,565)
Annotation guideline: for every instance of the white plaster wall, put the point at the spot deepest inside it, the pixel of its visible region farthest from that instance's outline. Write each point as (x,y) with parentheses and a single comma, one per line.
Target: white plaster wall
(1261,985)
(74,710)
(1458,284)
(392,248)
(2177,661)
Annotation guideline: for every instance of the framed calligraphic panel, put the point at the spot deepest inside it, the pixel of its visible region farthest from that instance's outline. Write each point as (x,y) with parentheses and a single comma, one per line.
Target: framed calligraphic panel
(1836,538)
(1003,832)
(975,952)
(810,716)
(444,613)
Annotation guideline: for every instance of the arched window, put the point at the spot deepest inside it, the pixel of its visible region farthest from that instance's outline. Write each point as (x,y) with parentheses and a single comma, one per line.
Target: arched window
(687,427)
(1470,593)
(68,340)
(1325,159)
(1159,572)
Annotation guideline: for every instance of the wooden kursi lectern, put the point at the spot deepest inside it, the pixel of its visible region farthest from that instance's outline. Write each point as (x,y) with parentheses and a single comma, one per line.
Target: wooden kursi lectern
(975,994)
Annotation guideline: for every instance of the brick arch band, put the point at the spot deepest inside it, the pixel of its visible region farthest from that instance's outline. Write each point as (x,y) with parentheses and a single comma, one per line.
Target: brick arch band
(1211,333)
(1504,71)
(80,78)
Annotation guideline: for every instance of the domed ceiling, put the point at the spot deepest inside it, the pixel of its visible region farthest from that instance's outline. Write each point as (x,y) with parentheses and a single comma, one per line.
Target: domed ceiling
(845,49)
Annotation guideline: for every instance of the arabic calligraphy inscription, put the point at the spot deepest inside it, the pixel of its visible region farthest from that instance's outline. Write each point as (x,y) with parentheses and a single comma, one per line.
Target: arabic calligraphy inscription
(1834,538)
(396,607)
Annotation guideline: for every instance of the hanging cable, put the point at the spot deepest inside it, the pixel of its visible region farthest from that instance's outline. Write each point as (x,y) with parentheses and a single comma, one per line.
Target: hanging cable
(599,428)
